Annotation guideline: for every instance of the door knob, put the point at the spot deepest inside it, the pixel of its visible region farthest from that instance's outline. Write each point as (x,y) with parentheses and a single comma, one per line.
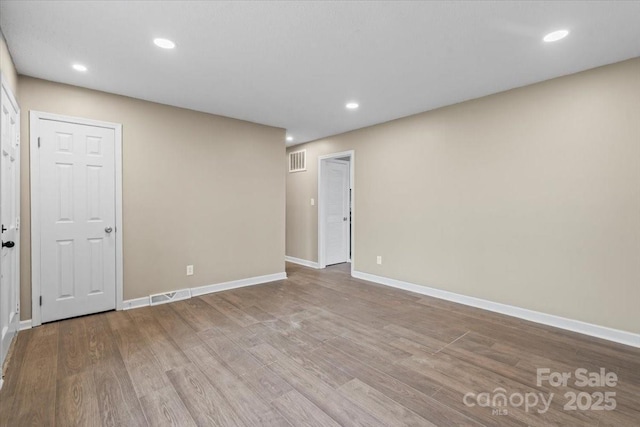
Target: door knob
(8,244)
(108,230)
(344,219)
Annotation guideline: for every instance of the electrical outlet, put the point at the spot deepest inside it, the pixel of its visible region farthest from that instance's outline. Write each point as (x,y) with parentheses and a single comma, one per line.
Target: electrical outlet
(379,260)
(189,270)
(313,202)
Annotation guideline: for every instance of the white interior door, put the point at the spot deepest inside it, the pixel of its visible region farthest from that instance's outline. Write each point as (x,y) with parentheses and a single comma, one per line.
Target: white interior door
(10,218)
(336,211)
(76,214)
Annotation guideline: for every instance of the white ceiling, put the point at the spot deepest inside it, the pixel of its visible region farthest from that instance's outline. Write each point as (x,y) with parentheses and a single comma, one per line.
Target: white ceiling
(295,64)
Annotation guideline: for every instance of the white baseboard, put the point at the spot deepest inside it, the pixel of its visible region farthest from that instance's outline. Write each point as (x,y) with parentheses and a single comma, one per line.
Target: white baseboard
(301,261)
(25,324)
(237,284)
(610,334)
(202,290)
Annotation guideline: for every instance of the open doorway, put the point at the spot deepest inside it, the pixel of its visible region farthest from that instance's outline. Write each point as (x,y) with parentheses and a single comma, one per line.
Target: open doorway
(336,208)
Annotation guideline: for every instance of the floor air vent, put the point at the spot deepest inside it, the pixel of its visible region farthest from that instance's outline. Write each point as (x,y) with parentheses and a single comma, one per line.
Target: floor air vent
(169,297)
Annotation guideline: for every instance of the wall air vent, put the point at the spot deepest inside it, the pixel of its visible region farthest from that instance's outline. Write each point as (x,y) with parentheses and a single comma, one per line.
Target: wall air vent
(169,297)
(298,161)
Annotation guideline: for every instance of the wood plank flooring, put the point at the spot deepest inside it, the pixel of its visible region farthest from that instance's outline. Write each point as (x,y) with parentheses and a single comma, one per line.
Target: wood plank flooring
(318,349)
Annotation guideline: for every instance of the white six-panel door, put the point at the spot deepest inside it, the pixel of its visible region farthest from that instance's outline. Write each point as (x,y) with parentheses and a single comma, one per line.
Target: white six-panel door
(10,218)
(336,177)
(77,219)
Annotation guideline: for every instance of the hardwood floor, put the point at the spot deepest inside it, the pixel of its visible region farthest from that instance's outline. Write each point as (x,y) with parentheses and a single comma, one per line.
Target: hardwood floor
(319,349)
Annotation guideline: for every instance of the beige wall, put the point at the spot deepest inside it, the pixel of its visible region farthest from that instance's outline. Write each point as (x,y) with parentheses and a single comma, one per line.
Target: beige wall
(7,66)
(529,197)
(198,189)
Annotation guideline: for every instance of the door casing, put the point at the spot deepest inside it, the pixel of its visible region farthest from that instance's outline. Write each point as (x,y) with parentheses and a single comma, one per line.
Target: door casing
(321,205)
(34,133)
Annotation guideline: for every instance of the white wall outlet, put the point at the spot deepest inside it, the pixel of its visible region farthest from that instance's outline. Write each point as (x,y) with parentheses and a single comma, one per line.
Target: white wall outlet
(313,201)
(379,260)
(189,270)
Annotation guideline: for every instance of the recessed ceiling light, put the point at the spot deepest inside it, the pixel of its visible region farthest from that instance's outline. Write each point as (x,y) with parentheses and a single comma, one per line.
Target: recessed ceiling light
(352,105)
(164,43)
(556,35)
(79,67)
(289,138)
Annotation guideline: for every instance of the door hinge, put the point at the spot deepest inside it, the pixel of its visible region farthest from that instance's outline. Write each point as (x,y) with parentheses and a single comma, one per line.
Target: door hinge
(38,142)
(41,300)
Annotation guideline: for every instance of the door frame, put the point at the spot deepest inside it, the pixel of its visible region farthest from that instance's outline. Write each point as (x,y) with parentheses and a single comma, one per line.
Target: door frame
(34,133)
(321,205)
